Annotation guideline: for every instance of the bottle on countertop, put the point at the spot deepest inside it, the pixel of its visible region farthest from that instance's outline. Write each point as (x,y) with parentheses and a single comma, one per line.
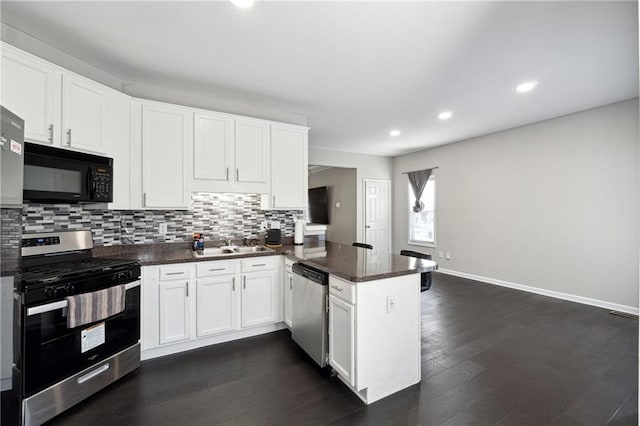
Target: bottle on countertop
(198,241)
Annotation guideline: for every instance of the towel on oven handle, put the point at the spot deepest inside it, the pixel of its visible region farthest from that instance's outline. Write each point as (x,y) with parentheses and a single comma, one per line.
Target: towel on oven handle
(95,306)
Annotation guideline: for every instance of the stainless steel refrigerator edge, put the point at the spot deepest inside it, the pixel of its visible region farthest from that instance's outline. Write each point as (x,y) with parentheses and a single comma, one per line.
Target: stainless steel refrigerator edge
(11,159)
(11,183)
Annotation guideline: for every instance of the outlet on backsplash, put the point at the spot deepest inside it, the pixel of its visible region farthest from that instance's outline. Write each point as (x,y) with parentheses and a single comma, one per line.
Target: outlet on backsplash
(162,228)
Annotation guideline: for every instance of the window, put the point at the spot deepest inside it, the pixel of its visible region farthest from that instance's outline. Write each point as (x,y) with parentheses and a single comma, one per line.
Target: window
(422,225)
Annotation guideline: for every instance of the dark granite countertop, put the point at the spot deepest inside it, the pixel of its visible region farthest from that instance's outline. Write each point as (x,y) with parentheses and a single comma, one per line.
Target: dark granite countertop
(356,264)
(164,253)
(344,261)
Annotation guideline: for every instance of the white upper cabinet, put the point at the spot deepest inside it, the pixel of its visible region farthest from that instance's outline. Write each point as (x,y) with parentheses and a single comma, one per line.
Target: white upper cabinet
(289,180)
(230,154)
(166,140)
(212,149)
(83,105)
(117,129)
(252,151)
(31,89)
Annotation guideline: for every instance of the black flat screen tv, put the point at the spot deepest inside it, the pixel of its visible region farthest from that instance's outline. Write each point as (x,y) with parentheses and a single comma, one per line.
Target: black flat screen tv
(318,205)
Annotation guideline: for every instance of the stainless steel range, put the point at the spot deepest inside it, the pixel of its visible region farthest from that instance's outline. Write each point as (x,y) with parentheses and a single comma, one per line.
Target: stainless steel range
(77,323)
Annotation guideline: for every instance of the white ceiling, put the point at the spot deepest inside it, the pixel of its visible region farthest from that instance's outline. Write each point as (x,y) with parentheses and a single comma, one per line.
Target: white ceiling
(360,69)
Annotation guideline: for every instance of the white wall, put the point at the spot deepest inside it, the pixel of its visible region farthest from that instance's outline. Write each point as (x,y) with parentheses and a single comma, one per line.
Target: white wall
(551,205)
(341,187)
(367,167)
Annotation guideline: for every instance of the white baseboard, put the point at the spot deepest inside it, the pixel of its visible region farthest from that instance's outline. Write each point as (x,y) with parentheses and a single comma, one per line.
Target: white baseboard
(544,292)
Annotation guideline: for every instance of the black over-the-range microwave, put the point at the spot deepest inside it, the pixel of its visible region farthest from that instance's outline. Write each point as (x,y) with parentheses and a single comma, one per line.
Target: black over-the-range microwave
(60,175)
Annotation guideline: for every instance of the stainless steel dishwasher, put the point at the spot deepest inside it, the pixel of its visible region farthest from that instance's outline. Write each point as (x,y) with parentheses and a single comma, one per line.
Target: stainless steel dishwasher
(309,311)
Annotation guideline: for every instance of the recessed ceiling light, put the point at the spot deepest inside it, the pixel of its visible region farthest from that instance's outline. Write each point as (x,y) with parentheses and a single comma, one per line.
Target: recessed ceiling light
(395,133)
(445,115)
(242,4)
(526,86)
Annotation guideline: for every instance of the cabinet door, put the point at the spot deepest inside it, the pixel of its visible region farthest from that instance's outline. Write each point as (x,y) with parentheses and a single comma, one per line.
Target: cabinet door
(258,298)
(215,306)
(82,114)
(117,140)
(342,338)
(289,180)
(30,90)
(251,151)
(175,311)
(212,147)
(288,288)
(166,137)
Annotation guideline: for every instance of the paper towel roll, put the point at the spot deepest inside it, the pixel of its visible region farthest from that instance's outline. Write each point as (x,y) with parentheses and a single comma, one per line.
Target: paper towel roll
(298,239)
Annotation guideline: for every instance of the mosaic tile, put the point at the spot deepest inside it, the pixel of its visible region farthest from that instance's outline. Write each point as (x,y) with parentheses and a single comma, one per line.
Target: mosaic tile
(232,216)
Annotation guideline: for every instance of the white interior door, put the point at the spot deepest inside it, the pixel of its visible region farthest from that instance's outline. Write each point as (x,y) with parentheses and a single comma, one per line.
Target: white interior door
(376,214)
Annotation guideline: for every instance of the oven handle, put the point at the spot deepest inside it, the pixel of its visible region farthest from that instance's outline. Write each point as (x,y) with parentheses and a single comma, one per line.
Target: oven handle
(41,309)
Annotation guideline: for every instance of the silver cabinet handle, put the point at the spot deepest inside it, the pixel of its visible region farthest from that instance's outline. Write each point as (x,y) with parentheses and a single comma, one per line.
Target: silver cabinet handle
(187,285)
(144,199)
(274,201)
(69,137)
(244,282)
(227,173)
(367,226)
(174,273)
(233,284)
(51,133)
(337,288)
(217,269)
(259,264)
(290,283)
(237,175)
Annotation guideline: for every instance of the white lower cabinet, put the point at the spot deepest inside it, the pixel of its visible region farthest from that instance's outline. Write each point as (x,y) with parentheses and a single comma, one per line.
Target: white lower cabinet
(175,311)
(259,290)
(185,306)
(342,338)
(215,305)
(258,295)
(374,334)
(288,289)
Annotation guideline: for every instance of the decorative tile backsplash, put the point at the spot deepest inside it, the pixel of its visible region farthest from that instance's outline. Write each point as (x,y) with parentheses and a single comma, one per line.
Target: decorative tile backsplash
(216,215)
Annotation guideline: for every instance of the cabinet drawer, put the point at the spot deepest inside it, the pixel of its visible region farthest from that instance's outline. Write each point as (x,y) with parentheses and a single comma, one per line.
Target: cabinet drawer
(216,268)
(342,289)
(288,264)
(176,272)
(258,264)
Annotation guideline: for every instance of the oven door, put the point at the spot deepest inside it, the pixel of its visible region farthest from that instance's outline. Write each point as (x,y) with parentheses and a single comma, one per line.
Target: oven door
(52,352)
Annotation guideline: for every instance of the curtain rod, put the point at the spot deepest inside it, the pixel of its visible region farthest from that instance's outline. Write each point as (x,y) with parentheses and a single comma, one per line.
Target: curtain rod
(432,168)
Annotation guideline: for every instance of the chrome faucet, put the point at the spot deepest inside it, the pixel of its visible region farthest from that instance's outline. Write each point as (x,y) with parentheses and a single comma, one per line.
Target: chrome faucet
(226,241)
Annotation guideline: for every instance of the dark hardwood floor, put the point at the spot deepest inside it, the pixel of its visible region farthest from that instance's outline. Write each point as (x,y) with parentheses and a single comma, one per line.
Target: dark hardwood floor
(490,355)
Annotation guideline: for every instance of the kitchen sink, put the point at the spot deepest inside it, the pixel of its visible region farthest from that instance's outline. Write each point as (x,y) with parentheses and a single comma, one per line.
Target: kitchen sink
(231,251)
(253,249)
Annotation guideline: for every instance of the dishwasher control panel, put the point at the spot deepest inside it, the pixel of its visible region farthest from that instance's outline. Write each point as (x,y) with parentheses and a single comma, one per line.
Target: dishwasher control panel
(311,273)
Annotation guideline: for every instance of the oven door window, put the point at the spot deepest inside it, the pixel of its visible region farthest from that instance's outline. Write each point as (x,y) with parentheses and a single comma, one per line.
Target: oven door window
(53,352)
